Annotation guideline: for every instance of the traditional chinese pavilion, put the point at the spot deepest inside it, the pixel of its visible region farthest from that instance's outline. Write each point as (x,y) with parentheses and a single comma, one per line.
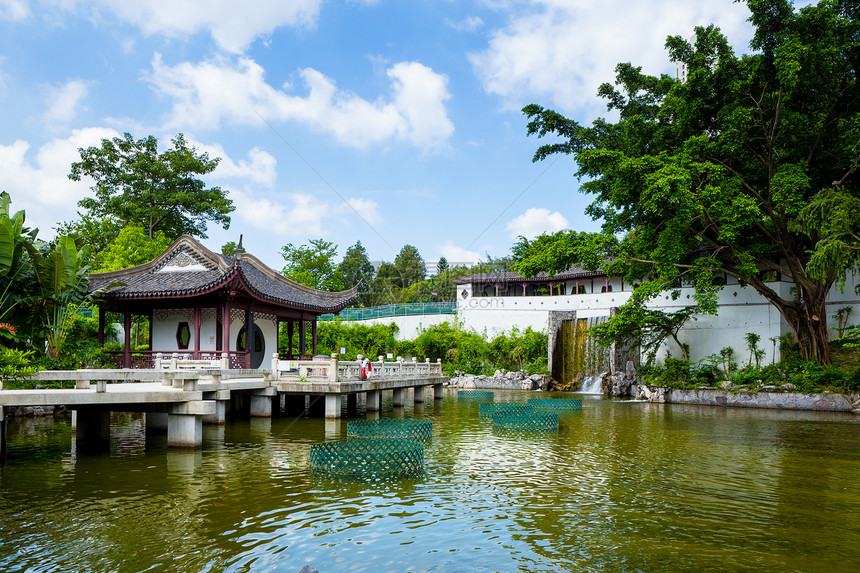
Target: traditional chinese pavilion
(202,305)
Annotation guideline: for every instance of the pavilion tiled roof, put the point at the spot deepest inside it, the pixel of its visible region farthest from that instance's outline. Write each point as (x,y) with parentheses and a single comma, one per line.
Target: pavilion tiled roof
(187,268)
(512,277)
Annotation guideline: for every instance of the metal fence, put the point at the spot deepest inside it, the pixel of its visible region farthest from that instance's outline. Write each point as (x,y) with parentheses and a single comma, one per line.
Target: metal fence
(389,310)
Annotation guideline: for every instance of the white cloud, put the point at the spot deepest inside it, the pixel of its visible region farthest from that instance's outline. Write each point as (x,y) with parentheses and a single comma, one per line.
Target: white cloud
(14,10)
(301,214)
(558,52)
(208,93)
(468,24)
(456,255)
(535,222)
(232,25)
(259,167)
(63,102)
(40,184)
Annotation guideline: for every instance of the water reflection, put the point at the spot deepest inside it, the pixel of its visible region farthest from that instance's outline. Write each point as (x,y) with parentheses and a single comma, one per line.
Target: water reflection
(620,486)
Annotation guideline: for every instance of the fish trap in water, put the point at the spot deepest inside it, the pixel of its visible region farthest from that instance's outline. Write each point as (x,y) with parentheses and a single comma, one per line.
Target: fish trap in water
(528,421)
(369,458)
(556,403)
(503,408)
(421,430)
(475,395)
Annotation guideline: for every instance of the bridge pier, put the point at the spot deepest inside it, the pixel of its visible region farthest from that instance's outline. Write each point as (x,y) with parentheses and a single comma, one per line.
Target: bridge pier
(373,400)
(418,395)
(185,423)
(184,430)
(222,402)
(263,403)
(332,405)
(397,398)
(437,391)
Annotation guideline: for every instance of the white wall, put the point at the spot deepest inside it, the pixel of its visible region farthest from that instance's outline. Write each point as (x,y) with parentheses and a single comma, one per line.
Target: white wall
(164,333)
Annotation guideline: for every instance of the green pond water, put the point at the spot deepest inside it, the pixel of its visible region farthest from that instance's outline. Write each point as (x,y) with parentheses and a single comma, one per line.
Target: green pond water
(621,486)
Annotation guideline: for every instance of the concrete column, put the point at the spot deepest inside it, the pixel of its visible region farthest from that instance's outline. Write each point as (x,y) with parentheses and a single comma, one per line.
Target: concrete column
(184,430)
(261,406)
(437,391)
(220,415)
(156,422)
(332,405)
(397,397)
(374,400)
(418,394)
(351,404)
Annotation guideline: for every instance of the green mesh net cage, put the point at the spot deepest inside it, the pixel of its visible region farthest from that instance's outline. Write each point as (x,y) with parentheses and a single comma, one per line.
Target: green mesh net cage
(408,429)
(369,458)
(488,410)
(556,403)
(527,421)
(475,395)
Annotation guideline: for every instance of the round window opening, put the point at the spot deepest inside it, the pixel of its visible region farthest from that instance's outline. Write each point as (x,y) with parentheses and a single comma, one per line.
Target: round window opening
(258,348)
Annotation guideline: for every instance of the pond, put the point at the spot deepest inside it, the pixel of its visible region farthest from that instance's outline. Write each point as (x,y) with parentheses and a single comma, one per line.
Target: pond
(621,486)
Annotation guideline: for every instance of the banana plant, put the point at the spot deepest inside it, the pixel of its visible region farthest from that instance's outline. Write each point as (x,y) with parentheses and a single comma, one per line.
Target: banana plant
(15,266)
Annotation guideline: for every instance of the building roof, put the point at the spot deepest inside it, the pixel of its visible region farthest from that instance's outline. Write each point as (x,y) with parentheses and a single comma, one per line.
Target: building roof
(187,268)
(512,277)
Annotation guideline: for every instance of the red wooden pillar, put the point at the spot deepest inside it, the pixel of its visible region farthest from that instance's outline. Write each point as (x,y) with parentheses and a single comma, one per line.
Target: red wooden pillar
(225,327)
(126,353)
(198,322)
(290,324)
(524,289)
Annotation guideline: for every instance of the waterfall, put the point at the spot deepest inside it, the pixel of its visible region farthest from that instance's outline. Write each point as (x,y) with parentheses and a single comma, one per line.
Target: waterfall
(580,356)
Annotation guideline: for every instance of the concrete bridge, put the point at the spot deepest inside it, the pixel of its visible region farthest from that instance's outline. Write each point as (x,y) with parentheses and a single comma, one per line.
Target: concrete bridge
(180,395)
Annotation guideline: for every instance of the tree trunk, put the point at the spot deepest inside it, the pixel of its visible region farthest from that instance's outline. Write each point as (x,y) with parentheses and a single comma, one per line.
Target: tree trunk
(808,319)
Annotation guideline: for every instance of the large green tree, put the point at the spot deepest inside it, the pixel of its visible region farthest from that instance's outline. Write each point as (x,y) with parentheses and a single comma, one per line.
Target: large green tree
(748,168)
(410,266)
(137,185)
(356,269)
(313,265)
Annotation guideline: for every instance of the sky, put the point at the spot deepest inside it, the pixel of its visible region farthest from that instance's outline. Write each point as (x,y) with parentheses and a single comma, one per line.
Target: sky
(388,122)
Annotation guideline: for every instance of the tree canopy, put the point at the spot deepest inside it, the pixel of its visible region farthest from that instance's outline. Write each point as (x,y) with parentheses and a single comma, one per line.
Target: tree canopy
(137,185)
(356,269)
(410,266)
(131,247)
(313,265)
(748,167)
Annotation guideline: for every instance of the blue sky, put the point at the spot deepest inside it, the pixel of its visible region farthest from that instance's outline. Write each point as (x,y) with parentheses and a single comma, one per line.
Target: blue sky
(386,121)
